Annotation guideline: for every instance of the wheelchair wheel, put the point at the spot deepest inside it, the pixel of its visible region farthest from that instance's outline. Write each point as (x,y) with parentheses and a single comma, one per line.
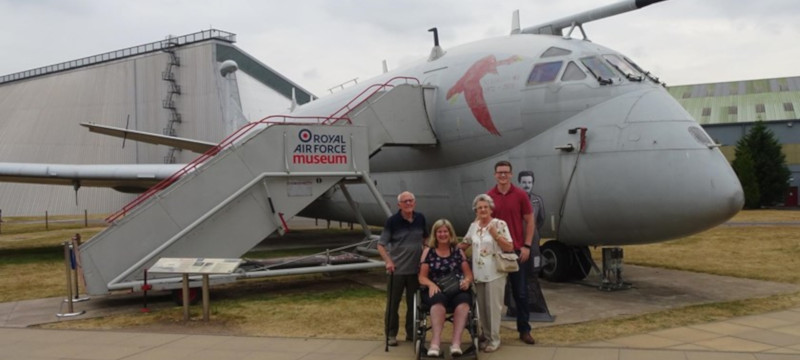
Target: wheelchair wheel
(417,322)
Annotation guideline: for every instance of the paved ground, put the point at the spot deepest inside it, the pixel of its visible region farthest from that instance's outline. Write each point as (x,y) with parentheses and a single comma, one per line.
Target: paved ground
(774,336)
(768,336)
(762,337)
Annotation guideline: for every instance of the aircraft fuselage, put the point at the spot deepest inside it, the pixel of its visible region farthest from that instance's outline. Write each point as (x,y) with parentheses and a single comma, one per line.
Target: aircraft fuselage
(648,171)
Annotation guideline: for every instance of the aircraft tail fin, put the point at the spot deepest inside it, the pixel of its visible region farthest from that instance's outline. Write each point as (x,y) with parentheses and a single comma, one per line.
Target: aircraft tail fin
(515,29)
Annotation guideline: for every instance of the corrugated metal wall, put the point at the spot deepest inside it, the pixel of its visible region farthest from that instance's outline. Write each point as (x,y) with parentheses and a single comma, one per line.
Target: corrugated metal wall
(741,101)
(39,121)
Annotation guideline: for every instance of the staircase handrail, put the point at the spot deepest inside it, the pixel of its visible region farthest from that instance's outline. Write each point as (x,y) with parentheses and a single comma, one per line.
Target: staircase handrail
(375,89)
(225,143)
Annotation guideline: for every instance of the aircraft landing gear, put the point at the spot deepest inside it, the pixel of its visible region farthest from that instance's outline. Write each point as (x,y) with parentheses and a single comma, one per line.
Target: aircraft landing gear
(612,270)
(565,263)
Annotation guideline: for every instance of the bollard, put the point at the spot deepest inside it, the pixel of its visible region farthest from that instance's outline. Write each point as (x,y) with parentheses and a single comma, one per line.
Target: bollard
(85,218)
(1,221)
(74,266)
(70,310)
(46,222)
(145,287)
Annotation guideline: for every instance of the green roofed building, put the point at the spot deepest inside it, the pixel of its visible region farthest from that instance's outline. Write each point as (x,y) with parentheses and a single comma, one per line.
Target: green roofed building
(728,110)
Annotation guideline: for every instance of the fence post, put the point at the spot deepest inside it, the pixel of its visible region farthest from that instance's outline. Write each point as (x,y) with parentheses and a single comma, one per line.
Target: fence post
(46,222)
(85,218)
(1,221)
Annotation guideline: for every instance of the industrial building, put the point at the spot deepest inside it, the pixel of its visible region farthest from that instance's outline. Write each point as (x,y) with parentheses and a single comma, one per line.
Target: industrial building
(728,110)
(172,87)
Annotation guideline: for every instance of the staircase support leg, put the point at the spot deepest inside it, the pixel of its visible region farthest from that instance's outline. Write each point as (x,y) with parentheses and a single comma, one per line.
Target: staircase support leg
(374,190)
(356,211)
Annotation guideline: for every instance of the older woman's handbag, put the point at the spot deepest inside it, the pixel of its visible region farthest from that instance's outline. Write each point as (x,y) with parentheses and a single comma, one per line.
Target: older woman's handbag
(506,262)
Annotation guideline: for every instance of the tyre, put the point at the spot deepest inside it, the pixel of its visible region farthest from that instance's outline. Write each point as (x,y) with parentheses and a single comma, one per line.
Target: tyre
(558,261)
(417,322)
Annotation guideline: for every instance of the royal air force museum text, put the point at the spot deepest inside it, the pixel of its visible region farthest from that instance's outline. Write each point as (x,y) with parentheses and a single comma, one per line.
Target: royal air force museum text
(320,149)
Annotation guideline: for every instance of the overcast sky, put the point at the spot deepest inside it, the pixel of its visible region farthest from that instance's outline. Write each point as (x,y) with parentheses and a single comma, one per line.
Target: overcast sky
(319,44)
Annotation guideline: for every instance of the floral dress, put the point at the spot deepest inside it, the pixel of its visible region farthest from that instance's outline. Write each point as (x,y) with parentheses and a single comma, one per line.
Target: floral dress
(442,266)
(483,248)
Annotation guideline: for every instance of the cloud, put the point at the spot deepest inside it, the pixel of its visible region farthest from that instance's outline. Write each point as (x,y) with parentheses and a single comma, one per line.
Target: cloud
(322,43)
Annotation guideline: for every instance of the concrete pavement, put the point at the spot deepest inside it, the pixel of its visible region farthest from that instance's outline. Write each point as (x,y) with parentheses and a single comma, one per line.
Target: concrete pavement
(772,336)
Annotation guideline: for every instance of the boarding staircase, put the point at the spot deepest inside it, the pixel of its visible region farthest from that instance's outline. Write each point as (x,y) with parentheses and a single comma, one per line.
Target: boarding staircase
(244,190)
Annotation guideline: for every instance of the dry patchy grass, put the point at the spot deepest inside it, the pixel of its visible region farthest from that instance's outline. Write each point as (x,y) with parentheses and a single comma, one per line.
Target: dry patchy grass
(334,307)
(754,252)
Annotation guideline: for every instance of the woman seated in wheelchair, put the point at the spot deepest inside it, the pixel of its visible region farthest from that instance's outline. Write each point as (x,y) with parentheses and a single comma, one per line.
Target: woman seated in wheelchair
(443,261)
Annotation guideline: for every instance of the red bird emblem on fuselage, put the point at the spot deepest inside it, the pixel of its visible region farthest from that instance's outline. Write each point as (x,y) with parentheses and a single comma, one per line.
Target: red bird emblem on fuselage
(470,85)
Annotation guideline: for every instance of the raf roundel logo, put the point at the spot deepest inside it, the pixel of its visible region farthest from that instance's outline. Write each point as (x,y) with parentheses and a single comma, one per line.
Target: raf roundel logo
(305,135)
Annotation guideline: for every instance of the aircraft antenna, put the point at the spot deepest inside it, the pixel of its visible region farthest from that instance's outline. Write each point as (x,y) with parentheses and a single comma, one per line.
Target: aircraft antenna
(125,136)
(435,32)
(437,51)
(76,184)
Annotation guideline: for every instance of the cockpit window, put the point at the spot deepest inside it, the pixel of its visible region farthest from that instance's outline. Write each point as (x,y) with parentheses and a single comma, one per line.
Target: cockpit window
(555,51)
(599,69)
(544,72)
(624,67)
(645,73)
(573,73)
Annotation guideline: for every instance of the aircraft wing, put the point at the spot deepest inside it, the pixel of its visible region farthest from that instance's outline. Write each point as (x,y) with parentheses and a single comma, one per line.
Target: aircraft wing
(150,138)
(130,178)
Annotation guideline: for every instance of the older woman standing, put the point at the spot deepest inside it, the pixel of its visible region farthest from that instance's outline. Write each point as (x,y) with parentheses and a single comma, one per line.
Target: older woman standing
(441,258)
(487,236)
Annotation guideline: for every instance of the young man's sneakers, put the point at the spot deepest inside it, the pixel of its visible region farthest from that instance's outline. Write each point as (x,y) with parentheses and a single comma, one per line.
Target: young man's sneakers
(392,341)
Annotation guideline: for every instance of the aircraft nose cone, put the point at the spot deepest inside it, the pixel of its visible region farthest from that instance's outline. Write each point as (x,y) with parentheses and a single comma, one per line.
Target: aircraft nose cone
(723,197)
(654,178)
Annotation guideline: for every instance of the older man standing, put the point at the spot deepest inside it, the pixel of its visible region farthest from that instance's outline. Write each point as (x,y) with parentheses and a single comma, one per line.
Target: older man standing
(511,205)
(400,247)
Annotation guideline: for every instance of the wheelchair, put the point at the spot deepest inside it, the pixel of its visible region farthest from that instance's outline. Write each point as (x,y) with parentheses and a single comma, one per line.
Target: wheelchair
(422,326)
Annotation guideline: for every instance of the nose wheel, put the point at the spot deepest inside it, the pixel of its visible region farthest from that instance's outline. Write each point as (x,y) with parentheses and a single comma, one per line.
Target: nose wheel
(565,263)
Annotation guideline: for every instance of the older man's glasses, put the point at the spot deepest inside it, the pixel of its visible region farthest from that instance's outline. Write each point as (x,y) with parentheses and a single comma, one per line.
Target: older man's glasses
(407,201)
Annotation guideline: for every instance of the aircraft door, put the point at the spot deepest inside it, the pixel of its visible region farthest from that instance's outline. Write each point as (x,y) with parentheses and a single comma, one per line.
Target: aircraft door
(429,93)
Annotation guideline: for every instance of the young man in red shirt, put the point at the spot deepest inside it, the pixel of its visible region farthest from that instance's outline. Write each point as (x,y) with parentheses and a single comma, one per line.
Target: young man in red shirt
(511,204)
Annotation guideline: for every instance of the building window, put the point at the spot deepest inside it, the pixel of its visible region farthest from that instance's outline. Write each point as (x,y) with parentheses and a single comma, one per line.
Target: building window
(687,95)
(788,106)
(733,110)
(760,109)
(706,111)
